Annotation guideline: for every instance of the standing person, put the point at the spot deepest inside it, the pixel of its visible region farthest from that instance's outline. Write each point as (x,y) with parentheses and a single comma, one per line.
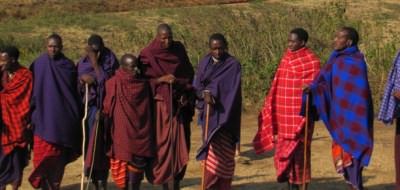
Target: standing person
(94,69)
(128,110)
(15,94)
(389,110)
(280,124)
(218,86)
(167,66)
(342,97)
(56,113)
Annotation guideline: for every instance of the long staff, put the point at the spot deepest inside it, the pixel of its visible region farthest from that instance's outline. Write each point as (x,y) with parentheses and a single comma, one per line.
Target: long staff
(94,153)
(96,132)
(305,143)
(84,133)
(203,176)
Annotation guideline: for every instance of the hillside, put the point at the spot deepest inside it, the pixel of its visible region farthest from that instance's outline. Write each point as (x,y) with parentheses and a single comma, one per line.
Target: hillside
(257,30)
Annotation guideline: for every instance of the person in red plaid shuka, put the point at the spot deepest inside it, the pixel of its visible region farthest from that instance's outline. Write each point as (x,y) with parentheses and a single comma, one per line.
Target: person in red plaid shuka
(280,124)
(16,89)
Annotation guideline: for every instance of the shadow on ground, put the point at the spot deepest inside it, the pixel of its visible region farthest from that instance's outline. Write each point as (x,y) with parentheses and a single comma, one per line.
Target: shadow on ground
(252,156)
(316,184)
(145,186)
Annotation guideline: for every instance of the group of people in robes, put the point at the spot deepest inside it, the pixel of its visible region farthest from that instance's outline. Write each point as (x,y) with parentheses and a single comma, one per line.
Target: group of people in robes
(137,112)
(131,116)
(301,93)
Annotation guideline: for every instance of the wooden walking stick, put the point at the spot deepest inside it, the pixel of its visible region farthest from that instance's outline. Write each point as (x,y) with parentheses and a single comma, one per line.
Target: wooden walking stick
(305,142)
(84,134)
(203,175)
(96,131)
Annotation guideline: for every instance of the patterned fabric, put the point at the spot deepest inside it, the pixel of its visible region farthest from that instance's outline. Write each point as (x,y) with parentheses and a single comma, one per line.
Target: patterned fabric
(289,168)
(48,164)
(214,182)
(280,114)
(15,101)
(341,159)
(220,159)
(342,97)
(122,172)
(389,102)
(118,172)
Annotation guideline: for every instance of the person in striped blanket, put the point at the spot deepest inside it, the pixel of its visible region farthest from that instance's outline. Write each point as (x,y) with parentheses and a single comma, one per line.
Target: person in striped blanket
(280,125)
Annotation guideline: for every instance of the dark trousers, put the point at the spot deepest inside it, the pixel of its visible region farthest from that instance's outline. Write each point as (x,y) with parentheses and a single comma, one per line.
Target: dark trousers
(397,153)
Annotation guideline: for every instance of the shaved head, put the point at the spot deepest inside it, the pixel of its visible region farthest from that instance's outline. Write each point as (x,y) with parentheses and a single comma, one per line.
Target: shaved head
(54,46)
(164,35)
(129,63)
(164,28)
(56,38)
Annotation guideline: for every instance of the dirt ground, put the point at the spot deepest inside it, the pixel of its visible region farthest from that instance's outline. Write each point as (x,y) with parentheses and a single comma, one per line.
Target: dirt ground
(256,172)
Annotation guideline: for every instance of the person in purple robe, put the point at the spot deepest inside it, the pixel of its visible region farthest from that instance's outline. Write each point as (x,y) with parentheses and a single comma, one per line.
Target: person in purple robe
(166,65)
(218,90)
(56,110)
(94,69)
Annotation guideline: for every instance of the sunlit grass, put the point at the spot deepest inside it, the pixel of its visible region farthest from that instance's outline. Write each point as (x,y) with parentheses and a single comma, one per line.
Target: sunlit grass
(257,34)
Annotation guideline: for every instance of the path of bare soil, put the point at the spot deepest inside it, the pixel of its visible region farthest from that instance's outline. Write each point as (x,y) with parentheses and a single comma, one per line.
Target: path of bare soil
(256,172)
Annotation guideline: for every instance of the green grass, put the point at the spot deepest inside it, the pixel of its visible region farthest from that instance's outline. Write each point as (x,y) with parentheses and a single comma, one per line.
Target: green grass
(257,35)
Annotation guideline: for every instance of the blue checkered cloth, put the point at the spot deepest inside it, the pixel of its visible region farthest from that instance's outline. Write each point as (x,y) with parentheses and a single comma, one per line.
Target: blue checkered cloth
(388,110)
(342,97)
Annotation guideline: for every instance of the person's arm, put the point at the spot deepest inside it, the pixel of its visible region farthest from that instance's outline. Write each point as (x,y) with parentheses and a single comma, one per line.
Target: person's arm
(396,90)
(168,79)
(93,58)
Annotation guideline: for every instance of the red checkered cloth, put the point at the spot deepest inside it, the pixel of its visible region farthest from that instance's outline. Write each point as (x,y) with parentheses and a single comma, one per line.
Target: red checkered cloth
(281,112)
(15,101)
(48,164)
(291,169)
